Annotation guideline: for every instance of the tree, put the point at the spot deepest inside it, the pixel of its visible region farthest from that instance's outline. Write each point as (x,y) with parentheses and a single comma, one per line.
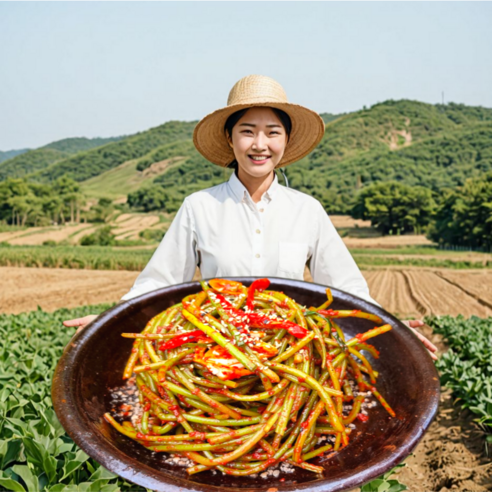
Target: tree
(395,208)
(101,237)
(69,192)
(102,211)
(464,215)
(150,198)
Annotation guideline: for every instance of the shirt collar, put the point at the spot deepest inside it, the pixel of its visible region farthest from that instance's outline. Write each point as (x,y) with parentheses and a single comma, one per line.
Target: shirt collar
(241,193)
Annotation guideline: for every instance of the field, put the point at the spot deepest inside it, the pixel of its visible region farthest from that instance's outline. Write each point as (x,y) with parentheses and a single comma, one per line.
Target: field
(407,293)
(407,275)
(450,456)
(118,182)
(125,226)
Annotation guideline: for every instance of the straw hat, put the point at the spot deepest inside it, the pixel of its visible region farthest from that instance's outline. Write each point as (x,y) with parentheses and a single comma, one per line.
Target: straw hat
(258,90)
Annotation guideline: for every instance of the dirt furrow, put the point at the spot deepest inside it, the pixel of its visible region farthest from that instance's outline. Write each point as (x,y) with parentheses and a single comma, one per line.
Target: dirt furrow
(422,307)
(476,284)
(439,296)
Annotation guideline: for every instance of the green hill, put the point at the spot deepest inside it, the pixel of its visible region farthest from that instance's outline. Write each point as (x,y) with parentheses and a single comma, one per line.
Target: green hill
(118,182)
(37,159)
(416,143)
(88,164)
(408,141)
(8,154)
(436,146)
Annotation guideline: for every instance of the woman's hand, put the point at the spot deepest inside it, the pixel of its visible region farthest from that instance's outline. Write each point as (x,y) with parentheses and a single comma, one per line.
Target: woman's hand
(414,323)
(80,322)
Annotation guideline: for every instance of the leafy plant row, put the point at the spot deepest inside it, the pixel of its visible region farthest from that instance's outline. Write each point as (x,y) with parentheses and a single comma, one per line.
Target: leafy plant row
(467,367)
(35,452)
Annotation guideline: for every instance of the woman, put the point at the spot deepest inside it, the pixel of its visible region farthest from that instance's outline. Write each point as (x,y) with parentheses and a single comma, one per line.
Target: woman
(250,225)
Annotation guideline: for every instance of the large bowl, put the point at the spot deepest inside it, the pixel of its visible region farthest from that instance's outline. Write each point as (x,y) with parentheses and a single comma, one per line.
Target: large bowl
(93,362)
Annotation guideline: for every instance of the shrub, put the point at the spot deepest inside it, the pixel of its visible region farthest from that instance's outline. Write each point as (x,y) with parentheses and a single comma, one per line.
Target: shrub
(152,234)
(101,237)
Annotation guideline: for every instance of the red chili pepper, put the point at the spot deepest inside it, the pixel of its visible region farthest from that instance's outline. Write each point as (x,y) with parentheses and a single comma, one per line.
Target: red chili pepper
(362,417)
(258,320)
(178,340)
(261,321)
(223,301)
(258,285)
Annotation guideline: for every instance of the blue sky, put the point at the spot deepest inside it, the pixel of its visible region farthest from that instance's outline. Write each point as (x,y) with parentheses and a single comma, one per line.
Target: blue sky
(112,68)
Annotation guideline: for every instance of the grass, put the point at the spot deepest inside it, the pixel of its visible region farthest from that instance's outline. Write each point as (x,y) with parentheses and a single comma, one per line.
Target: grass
(119,181)
(368,261)
(79,257)
(412,250)
(121,258)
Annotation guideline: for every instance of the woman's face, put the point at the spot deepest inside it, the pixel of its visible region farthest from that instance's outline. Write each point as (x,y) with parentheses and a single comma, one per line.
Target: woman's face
(258,141)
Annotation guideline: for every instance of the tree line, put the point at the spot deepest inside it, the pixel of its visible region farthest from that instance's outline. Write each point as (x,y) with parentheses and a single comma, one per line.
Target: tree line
(461,216)
(26,203)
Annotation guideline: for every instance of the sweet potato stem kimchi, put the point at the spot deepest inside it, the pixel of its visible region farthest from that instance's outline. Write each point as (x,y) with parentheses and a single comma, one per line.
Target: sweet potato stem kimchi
(239,379)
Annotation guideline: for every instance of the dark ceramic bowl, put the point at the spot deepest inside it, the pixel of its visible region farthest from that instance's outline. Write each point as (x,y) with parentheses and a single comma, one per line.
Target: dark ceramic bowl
(93,362)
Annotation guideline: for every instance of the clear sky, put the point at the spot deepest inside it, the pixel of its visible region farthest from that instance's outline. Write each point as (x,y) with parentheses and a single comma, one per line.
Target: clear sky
(115,68)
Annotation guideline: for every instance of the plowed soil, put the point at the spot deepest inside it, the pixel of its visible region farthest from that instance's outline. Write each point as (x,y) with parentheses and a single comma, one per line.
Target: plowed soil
(409,293)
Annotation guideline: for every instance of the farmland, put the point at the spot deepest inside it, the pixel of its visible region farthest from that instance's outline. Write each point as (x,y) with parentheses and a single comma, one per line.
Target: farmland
(407,293)
(407,275)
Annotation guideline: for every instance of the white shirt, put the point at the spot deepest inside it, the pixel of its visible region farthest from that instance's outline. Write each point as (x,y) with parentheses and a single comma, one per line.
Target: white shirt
(229,235)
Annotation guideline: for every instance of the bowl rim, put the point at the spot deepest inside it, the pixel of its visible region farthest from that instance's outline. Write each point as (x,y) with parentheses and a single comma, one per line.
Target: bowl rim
(98,448)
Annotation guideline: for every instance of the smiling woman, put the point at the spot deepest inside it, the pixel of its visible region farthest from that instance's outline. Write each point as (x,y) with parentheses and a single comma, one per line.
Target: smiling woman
(251,225)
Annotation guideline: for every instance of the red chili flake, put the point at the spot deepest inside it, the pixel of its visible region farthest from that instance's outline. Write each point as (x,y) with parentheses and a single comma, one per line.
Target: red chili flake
(362,417)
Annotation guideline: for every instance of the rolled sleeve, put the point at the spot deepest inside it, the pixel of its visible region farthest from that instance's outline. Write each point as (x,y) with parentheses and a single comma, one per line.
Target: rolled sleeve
(175,259)
(332,264)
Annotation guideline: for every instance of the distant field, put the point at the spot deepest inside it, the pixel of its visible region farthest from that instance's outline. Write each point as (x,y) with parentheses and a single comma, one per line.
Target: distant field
(116,183)
(125,226)
(75,257)
(125,258)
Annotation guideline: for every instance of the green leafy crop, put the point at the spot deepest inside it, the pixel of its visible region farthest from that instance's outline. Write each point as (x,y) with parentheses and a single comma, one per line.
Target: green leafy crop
(467,367)
(36,455)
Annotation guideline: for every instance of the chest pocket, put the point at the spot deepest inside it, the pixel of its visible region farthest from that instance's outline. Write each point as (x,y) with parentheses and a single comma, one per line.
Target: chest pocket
(292,258)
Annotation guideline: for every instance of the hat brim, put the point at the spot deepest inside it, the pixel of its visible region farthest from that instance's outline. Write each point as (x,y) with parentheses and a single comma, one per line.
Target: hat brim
(307,131)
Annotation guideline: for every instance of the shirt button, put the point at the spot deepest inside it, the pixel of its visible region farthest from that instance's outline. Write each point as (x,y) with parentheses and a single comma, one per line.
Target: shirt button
(262,209)
(258,231)
(257,255)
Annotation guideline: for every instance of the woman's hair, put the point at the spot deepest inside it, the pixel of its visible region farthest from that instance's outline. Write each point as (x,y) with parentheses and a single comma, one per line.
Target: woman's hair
(235,117)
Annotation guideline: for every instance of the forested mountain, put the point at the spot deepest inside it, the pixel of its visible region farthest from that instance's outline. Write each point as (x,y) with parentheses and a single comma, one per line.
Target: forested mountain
(28,162)
(8,154)
(435,146)
(85,165)
(416,144)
